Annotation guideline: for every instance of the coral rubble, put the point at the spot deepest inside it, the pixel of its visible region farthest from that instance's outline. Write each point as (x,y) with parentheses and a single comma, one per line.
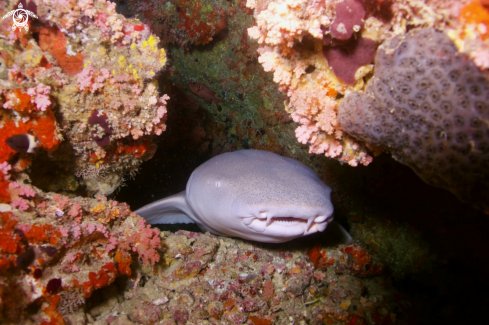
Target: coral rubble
(83,79)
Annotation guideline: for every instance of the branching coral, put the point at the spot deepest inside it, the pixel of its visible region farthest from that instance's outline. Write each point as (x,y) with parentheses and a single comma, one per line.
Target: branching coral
(290,34)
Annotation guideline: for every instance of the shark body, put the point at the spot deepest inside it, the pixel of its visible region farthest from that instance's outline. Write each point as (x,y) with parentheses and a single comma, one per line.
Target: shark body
(252,194)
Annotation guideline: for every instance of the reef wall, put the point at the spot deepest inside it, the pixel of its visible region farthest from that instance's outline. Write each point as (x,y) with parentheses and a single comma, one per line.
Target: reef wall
(81,80)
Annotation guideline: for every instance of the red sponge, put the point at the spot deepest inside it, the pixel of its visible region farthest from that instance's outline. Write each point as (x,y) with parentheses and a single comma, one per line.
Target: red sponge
(346,60)
(349,13)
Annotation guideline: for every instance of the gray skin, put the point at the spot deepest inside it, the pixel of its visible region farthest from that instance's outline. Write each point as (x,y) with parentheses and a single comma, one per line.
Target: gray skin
(252,194)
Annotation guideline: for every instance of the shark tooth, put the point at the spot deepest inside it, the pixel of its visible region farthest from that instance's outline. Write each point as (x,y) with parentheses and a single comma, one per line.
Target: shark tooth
(269,220)
(320,219)
(309,223)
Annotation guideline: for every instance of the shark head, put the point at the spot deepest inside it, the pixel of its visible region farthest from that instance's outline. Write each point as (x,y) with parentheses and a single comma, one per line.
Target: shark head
(260,196)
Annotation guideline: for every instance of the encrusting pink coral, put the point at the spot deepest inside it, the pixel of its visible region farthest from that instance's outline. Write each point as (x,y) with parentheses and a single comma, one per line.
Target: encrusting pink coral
(75,210)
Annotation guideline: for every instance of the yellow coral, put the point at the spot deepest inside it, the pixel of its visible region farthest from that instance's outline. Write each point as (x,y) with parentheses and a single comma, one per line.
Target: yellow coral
(98,208)
(122,61)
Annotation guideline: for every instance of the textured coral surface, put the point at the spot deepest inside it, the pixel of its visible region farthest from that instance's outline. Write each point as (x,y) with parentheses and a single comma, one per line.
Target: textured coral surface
(428,104)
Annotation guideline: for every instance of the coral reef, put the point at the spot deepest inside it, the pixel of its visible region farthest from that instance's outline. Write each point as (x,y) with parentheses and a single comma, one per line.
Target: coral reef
(319,51)
(250,114)
(427,104)
(216,280)
(55,251)
(290,35)
(182,22)
(83,78)
(404,230)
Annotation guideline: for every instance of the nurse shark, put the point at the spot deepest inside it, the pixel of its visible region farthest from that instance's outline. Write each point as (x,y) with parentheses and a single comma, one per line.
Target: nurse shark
(251,194)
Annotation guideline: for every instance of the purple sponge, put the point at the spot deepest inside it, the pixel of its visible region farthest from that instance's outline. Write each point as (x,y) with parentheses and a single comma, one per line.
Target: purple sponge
(428,105)
(101,120)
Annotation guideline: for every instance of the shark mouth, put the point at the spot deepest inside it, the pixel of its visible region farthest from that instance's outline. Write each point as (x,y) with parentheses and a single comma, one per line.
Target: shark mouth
(286,224)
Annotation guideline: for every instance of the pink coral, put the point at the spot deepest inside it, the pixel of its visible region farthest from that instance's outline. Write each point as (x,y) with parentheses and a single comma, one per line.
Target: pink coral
(90,227)
(70,257)
(40,96)
(64,232)
(112,243)
(13,185)
(42,206)
(301,71)
(316,113)
(61,200)
(75,210)
(27,191)
(87,7)
(481,58)
(20,204)
(145,242)
(102,229)
(161,112)
(84,78)
(4,169)
(76,232)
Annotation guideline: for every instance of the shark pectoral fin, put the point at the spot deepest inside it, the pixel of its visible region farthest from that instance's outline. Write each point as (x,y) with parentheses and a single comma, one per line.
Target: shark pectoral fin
(170,210)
